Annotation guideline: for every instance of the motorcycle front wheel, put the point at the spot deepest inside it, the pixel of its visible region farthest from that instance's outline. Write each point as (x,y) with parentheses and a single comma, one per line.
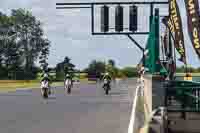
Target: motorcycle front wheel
(106,90)
(69,90)
(45,93)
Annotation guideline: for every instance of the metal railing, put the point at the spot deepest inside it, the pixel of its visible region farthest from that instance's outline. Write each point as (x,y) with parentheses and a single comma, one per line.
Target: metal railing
(182,96)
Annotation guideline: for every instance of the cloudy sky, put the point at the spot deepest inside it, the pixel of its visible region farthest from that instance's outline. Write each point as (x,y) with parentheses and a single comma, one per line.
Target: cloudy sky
(70,34)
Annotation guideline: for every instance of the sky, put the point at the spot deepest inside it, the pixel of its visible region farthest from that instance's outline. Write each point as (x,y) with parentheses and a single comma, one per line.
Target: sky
(70,33)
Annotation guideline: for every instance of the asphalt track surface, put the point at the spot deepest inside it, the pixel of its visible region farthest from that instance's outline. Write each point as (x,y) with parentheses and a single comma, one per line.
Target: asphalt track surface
(86,110)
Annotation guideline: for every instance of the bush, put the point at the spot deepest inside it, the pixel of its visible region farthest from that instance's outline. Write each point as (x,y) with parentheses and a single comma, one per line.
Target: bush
(3,73)
(129,72)
(60,76)
(83,75)
(120,74)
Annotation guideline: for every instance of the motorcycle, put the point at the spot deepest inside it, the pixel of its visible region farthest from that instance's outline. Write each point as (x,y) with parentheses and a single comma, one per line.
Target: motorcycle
(45,89)
(106,86)
(68,85)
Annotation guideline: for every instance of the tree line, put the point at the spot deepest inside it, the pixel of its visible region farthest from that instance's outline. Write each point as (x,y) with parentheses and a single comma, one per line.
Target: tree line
(98,68)
(183,69)
(95,70)
(22,43)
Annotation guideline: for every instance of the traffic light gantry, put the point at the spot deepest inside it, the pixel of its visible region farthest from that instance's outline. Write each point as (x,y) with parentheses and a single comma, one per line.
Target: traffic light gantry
(105,26)
(120,29)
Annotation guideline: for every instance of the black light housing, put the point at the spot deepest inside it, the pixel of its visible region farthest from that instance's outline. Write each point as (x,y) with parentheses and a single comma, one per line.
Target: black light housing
(104,18)
(133,14)
(119,18)
(157,12)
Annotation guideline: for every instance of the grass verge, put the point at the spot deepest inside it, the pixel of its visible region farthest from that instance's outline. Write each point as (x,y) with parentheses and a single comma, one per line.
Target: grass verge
(8,87)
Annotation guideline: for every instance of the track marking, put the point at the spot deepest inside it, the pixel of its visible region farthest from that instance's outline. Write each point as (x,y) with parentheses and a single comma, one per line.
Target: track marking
(132,118)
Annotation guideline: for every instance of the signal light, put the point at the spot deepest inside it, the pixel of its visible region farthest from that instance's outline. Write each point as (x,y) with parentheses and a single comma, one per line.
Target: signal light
(104,18)
(157,12)
(133,10)
(119,18)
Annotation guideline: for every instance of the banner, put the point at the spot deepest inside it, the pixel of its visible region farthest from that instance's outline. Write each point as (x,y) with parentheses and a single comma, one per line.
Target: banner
(165,41)
(174,23)
(192,7)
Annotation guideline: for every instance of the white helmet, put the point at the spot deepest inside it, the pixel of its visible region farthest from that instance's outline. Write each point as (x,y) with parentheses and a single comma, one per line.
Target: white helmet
(107,74)
(67,75)
(45,75)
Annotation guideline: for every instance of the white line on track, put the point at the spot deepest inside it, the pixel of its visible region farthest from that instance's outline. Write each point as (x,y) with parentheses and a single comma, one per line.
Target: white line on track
(132,118)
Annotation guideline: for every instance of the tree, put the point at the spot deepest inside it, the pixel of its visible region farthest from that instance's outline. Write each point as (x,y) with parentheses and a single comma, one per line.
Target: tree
(180,69)
(22,43)
(198,69)
(30,36)
(129,72)
(120,74)
(111,68)
(68,66)
(5,28)
(12,58)
(44,55)
(111,62)
(9,51)
(64,67)
(95,69)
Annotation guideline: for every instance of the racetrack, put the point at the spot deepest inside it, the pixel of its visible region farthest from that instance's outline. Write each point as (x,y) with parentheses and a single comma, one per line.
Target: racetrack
(86,110)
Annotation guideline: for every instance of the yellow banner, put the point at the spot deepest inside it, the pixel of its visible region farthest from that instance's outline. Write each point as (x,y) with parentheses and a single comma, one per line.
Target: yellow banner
(192,7)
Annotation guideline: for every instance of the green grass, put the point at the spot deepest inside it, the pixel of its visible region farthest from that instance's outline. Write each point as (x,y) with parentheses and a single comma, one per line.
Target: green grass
(7,87)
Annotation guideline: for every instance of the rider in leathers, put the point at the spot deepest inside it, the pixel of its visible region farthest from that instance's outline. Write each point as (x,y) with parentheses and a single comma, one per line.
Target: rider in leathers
(46,77)
(67,76)
(108,78)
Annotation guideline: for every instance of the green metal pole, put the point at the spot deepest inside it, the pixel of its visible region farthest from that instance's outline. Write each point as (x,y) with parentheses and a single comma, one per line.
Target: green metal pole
(151,15)
(157,41)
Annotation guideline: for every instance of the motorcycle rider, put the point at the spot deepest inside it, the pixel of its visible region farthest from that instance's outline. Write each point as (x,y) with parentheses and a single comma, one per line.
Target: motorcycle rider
(67,76)
(45,77)
(108,78)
